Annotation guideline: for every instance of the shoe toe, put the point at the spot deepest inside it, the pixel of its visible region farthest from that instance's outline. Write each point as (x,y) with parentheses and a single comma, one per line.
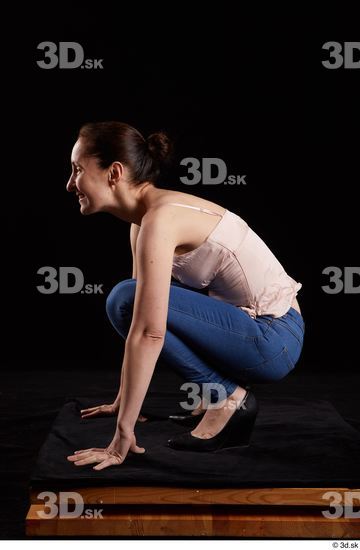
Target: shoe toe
(179,441)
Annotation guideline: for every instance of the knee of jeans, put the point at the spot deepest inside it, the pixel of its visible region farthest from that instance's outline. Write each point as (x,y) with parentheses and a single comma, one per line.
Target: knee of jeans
(120,298)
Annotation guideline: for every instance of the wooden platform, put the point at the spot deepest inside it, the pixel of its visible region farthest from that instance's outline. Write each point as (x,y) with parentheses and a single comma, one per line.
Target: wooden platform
(178,511)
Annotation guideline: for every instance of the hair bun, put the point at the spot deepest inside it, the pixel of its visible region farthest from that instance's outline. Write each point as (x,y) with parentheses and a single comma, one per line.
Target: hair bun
(160,147)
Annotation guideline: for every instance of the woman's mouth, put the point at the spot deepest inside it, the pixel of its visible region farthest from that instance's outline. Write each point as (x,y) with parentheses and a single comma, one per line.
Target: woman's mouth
(81,196)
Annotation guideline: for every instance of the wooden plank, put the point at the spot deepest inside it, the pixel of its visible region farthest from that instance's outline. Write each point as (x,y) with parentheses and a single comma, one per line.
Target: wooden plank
(182,495)
(195,521)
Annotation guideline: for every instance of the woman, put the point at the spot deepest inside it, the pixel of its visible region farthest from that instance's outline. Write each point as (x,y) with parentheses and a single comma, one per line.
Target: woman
(247,328)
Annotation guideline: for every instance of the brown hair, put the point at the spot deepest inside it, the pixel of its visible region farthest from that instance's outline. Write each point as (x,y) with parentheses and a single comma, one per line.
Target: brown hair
(116,141)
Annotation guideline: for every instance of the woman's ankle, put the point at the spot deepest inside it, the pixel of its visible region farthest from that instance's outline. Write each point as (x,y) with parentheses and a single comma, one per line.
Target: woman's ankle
(235,399)
(201,407)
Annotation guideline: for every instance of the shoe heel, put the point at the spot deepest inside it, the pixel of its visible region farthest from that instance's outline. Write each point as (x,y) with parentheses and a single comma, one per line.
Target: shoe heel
(243,438)
(236,432)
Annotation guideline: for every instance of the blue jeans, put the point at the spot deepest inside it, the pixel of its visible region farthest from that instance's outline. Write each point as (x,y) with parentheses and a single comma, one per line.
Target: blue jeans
(211,341)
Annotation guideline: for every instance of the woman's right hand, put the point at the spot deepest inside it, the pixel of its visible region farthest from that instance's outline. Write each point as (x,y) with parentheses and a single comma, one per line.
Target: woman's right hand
(100,410)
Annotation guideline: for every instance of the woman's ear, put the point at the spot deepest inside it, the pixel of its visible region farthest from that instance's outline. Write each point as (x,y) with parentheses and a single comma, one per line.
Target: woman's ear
(116,172)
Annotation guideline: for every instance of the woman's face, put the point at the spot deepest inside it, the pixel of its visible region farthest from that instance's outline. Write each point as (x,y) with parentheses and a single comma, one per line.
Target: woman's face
(88,181)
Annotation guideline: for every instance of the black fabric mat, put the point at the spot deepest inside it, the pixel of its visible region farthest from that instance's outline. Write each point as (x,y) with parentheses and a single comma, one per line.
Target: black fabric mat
(296,443)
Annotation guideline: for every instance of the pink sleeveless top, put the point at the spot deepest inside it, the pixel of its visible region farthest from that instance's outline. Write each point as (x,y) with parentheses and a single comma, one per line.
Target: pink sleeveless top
(237,267)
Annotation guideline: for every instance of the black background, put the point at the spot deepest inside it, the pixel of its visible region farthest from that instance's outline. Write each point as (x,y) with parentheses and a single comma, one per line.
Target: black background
(249,90)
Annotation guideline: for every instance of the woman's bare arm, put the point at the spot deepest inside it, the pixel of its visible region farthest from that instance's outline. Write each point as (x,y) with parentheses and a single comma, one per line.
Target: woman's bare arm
(113,408)
(144,342)
(134,232)
(117,399)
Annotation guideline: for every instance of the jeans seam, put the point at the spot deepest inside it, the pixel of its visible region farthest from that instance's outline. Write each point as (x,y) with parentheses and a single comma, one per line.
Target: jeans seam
(288,359)
(261,365)
(294,334)
(269,323)
(294,319)
(252,338)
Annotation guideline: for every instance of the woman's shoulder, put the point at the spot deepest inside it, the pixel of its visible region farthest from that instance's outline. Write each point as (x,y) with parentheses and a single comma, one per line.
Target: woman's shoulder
(185,200)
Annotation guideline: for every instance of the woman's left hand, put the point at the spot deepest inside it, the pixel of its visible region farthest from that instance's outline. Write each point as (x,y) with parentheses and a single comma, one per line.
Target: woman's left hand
(112,455)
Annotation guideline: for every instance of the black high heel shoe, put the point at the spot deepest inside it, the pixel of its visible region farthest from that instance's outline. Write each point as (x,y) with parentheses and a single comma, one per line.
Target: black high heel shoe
(236,432)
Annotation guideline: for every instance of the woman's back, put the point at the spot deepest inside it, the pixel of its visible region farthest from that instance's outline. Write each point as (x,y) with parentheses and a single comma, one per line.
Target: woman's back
(220,252)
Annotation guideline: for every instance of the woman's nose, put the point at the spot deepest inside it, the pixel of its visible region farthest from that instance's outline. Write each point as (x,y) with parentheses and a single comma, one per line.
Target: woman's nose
(70,184)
